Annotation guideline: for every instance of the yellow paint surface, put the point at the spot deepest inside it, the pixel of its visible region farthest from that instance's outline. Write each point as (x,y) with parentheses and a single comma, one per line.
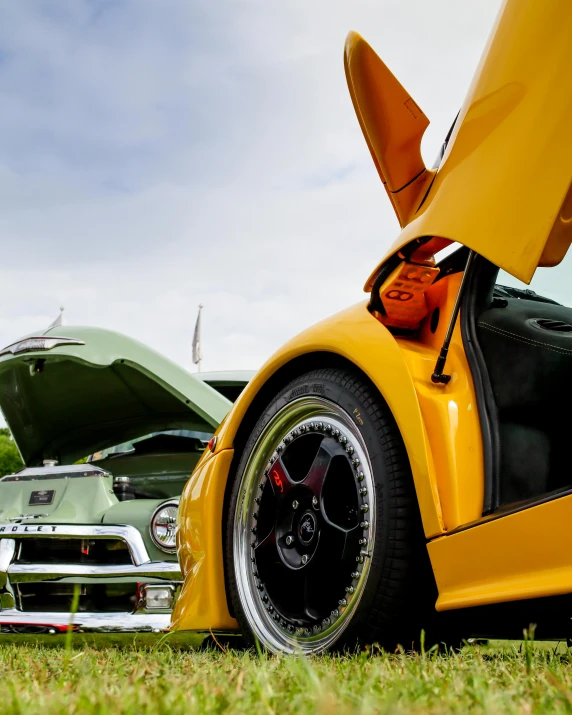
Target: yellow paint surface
(523,555)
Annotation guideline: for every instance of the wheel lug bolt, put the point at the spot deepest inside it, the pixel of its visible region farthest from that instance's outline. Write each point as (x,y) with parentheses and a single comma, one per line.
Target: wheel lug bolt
(257,500)
(361,542)
(356,463)
(255,515)
(360,476)
(289,539)
(359,559)
(304,558)
(260,587)
(295,504)
(253,544)
(343,439)
(350,449)
(326,622)
(253,530)
(342,602)
(287,439)
(350,589)
(335,613)
(363,491)
(261,486)
(265,598)
(364,524)
(355,574)
(314,501)
(279,448)
(364,507)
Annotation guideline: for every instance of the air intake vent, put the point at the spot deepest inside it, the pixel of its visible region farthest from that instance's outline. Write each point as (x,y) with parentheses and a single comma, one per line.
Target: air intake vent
(556,326)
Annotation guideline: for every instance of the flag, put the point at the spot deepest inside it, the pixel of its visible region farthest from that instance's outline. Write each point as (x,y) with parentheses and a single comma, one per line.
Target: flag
(59,320)
(197,347)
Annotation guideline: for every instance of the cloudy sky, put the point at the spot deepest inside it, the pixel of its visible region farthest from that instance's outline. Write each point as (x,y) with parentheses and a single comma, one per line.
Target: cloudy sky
(155,154)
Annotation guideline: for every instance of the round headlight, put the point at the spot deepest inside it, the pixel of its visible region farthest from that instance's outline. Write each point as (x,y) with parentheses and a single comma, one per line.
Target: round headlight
(162,526)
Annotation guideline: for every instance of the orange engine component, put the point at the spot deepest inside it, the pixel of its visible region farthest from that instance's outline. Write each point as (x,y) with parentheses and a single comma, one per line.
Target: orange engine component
(403,295)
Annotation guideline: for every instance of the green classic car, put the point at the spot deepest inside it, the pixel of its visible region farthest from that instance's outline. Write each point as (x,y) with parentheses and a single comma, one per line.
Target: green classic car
(98,532)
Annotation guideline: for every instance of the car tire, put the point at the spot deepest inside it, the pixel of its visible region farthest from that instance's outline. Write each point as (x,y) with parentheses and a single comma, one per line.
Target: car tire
(324,546)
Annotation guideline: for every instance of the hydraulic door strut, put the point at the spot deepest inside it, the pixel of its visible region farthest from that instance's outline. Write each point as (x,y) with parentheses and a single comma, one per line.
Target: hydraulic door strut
(438,377)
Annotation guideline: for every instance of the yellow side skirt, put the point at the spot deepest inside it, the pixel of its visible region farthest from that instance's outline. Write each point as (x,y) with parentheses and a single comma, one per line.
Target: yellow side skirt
(527,554)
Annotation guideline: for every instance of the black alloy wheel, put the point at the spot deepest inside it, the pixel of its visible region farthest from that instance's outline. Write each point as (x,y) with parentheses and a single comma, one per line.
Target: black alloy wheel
(322,520)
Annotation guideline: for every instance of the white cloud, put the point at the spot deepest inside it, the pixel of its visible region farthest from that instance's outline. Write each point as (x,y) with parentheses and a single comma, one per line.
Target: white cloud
(158,155)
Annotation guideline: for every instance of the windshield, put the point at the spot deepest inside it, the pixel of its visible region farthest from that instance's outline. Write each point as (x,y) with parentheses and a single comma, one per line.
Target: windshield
(129,447)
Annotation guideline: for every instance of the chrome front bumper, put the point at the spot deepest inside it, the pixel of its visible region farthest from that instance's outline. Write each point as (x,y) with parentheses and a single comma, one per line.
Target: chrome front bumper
(142,570)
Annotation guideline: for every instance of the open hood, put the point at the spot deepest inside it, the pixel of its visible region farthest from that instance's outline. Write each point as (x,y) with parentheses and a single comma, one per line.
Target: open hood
(74,390)
(503,187)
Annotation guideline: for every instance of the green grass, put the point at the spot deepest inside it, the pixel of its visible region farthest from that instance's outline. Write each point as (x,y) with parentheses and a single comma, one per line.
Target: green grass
(149,675)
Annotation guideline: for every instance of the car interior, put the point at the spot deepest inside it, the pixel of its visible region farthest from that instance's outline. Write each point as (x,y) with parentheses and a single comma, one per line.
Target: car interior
(526,345)
(519,346)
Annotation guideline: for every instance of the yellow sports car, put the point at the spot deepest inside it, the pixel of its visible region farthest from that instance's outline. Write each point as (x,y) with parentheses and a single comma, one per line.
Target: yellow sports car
(404,465)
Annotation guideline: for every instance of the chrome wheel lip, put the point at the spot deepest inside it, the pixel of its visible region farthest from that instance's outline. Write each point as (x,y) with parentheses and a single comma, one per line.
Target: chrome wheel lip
(298,414)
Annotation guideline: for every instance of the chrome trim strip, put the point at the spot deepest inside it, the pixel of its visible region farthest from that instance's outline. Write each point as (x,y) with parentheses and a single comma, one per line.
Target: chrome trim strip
(95,622)
(160,570)
(38,343)
(129,534)
(7,551)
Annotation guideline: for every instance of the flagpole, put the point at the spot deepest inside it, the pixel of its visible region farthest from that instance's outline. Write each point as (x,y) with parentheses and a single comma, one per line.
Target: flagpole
(197,340)
(200,335)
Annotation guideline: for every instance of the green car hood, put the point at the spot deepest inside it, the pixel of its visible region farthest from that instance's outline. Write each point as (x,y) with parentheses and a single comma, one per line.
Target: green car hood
(74,399)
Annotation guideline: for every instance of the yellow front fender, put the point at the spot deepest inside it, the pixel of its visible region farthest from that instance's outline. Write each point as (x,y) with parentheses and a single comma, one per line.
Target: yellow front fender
(354,335)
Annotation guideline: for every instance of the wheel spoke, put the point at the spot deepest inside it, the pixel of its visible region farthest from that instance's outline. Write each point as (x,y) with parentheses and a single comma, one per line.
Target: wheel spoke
(350,543)
(280,479)
(336,544)
(266,551)
(332,541)
(319,469)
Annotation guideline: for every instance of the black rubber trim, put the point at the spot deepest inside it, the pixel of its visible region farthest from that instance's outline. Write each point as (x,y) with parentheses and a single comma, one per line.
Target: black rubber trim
(514,508)
(388,267)
(409,182)
(478,296)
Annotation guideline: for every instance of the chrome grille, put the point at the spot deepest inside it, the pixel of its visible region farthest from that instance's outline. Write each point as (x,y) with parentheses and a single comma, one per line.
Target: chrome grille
(96,552)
